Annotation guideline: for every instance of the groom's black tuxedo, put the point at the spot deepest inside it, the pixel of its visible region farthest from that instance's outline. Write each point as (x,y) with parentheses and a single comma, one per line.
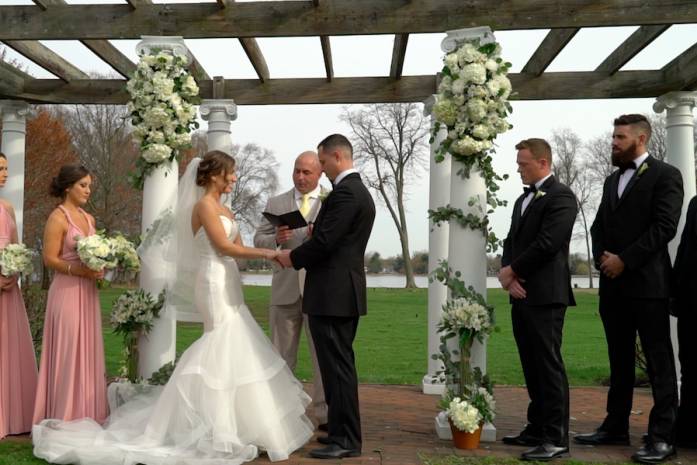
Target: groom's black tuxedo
(637,227)
(335,297)
(537,249)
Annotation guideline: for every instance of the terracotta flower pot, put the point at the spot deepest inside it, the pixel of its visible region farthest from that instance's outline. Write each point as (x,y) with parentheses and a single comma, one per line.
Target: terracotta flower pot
(463,439)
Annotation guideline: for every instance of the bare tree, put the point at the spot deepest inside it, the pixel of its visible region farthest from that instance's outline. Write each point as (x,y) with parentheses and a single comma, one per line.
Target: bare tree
(101,136)
(390,148)
(597,153)
(569,168)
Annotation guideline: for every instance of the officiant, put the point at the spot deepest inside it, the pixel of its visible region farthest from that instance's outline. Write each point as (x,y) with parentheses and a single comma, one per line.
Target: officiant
(286,318)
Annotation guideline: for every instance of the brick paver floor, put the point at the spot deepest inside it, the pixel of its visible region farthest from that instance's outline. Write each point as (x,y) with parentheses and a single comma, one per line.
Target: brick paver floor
(398,425)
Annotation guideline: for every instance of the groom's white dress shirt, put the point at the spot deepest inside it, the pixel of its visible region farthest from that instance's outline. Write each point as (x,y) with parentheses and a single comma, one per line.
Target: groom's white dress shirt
(528,198)
(628,173)
(343,174)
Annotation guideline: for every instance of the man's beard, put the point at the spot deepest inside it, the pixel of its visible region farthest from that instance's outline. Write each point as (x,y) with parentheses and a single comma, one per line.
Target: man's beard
(624,156)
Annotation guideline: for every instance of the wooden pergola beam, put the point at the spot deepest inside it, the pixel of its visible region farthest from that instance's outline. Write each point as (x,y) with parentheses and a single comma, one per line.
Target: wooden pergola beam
(11,79)
(634,44)
(332,17)
(399,51)
(45,4)
(565,85)
(47,59)
(553,43)
(683,70)
(251,48)
(327,56)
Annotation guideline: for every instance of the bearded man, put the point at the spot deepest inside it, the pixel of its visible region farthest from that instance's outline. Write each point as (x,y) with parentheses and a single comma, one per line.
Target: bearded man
(637,217)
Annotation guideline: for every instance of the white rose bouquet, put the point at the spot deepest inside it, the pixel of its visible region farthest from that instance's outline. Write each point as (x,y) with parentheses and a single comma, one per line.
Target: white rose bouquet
(125,253)
(15,259)
(96,252)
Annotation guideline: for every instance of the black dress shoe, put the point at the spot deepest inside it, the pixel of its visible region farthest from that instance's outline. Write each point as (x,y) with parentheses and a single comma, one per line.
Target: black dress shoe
(334,451)
(324,440)
(645,438)
(601,437)
(323,427)
(656,452)
(545,452)
(522,439)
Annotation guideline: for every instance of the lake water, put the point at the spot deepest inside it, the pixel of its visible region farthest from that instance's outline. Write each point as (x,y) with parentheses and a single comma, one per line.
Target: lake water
(396,281)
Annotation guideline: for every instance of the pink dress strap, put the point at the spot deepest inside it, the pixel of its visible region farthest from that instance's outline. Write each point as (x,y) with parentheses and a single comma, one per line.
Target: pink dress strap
(7,225)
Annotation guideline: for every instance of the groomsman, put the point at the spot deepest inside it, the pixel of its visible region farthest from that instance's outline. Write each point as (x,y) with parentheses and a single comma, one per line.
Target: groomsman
(286,318)
(335,291)
(685,308)
(637,217)
(536,274)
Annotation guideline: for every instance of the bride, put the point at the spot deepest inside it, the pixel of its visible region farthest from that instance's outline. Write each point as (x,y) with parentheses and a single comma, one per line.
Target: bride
(231,394)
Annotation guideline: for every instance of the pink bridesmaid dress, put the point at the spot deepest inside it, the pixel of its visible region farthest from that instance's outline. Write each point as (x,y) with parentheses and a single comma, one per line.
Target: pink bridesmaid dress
(72,376)
(17,359)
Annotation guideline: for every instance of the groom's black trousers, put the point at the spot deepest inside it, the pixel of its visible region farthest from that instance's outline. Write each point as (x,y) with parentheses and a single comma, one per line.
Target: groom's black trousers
(333,337)
(623,318)
(538,334)
(687,413)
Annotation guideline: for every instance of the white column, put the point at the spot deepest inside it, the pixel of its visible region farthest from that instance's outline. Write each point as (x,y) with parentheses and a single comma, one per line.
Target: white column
(159,197)
(439,196)
(14,131)
(680,152)
(466,247)
(219,113)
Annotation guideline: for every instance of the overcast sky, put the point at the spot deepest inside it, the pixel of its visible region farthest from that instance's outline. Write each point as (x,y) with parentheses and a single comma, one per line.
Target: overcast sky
(289,130)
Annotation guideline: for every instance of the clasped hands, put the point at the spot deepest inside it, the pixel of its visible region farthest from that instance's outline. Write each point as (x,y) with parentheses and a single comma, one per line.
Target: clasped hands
(283,235)
(611,265)
(6,283)
(512,283)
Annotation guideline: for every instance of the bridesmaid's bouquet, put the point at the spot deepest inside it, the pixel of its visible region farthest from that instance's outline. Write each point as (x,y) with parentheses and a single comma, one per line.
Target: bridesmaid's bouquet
(96,252)
(15,259)
(125,253)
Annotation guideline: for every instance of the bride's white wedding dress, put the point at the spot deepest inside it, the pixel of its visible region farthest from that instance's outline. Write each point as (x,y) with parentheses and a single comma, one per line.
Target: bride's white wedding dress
(230,396)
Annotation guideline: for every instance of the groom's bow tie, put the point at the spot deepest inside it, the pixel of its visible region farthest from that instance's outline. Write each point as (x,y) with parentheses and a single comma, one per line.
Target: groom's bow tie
(529,189)
(624,166)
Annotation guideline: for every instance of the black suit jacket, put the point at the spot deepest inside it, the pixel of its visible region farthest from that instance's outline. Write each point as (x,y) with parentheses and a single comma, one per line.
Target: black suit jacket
(537,246)
(638,227)
(684,281)
(335,283)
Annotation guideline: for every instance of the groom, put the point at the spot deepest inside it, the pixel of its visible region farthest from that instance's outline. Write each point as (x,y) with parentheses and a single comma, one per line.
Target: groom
(335,291)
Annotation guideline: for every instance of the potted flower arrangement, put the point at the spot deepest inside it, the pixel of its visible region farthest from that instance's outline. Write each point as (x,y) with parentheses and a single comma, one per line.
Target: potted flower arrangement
(468,402)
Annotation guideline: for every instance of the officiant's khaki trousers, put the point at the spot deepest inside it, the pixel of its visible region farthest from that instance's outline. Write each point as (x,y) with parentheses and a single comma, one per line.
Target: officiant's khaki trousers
(286,322)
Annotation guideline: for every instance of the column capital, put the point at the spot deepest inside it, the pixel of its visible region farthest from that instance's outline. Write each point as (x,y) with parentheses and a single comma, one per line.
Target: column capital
(175,44)
(227,106)
(455,37)
(428,105)
(16,108)
(675,99)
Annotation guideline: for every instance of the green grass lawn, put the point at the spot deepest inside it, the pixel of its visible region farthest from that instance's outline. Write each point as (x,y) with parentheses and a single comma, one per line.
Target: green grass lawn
(391,343)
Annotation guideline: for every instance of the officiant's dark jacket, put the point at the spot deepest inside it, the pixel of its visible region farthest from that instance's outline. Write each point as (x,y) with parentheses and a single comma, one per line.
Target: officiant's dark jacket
(537,246)
(638,227)
(335,284)
(684,281)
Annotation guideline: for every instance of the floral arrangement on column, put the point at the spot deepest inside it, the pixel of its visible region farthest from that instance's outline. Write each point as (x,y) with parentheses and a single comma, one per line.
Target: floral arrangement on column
(472,104)
(162,108)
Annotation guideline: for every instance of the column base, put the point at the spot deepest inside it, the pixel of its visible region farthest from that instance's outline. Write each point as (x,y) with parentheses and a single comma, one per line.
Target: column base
(432,388)
(443,429)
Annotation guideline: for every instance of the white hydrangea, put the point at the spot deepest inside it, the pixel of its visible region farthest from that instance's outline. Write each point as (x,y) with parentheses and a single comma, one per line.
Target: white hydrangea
(15,259)
(458,86)
(491,65)
(162,85)
(464,415)
(476,109)
(95,252)
(446,111)
(468,53)
(451,61)
(475,73)
(480,131)
(157,153)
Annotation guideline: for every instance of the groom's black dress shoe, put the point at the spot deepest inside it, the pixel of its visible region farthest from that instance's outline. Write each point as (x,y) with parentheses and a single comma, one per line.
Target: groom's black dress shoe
(522,439)
(656,452)
(324,440)
(601,437)
(334,451)
(544,452)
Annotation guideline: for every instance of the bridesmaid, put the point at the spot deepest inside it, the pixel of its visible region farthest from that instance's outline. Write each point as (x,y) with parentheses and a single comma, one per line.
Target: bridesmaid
(17,360)
(72,377)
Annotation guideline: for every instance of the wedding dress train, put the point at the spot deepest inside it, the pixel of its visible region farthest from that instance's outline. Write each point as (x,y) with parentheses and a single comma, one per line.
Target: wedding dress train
(230,395)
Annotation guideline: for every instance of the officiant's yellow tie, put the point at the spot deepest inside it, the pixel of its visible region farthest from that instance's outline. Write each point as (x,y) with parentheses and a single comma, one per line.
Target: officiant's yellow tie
(305,205)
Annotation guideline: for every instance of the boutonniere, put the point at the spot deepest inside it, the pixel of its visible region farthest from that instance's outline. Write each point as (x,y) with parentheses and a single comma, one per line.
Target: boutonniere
(323,196)
(539,194)
(643,168)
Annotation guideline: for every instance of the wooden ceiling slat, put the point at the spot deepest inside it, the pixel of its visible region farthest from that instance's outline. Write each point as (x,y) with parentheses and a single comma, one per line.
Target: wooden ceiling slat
(634,44)
(683,70)
(553,43)
(327,56)
(399,51)
(47,59)
(332,17)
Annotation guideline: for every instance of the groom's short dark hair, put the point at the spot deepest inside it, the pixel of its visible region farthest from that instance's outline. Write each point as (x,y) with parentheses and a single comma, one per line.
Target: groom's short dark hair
(637,121)
(336,141)
(539,148)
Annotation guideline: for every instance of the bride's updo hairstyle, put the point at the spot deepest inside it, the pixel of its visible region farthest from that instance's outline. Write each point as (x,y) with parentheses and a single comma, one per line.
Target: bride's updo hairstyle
(67,176)
(214,163)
